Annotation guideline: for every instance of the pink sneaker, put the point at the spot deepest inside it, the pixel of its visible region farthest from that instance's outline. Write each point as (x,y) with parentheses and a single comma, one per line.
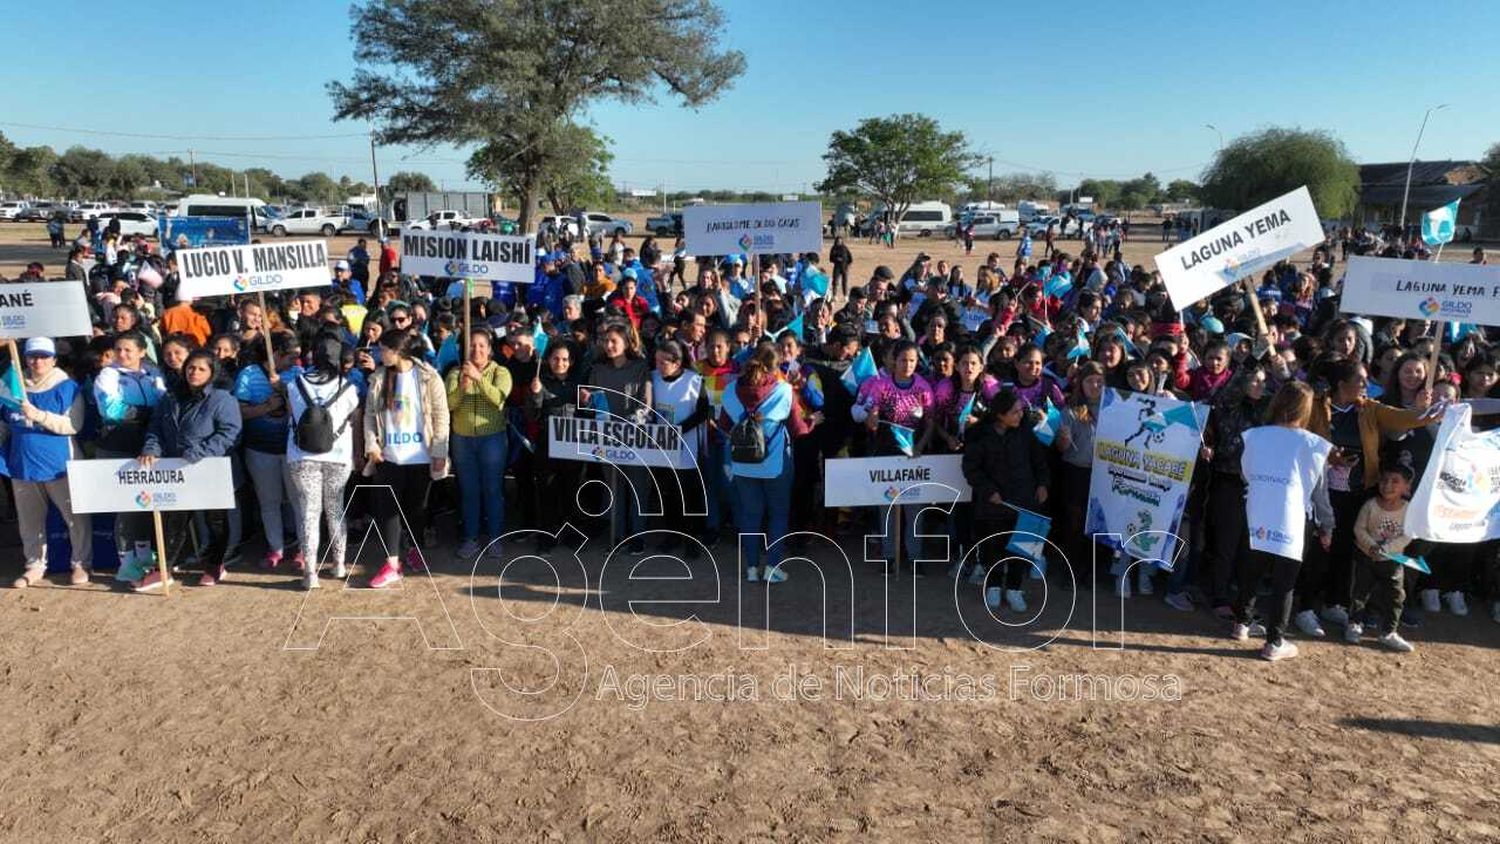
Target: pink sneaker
(272,561)
(389,575)
(151,582)
(414,560)
(213,576)
(299,563)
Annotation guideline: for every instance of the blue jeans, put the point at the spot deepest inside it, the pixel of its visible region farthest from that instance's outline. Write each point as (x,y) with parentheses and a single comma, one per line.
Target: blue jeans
(763,505)
(480,462)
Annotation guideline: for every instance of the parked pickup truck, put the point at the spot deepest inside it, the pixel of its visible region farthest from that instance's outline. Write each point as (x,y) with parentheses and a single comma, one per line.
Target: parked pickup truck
(308,221)
(665,225)
(446,219)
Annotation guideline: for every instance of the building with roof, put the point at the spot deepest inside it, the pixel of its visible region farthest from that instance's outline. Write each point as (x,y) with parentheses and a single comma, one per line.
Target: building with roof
(1433,184)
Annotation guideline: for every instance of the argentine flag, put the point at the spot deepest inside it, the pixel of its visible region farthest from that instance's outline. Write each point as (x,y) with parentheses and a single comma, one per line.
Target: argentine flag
(1439,223)
(903,437)
(1029,540)
(1051,421)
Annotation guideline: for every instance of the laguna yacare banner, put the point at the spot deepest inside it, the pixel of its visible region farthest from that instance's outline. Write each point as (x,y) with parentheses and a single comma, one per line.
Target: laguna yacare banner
(1247,244)
(619,442)
(1145,448)
(494,257)
(126,486)
(878,481)
(262,267)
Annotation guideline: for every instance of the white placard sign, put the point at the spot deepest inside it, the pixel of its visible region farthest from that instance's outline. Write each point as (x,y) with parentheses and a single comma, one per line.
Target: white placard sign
(258,268)
(618,442)
(1396,287)
(44,309)
(1458,498)
(1247,244)
(880,481)
(763,228)
(496,257)
(125,486)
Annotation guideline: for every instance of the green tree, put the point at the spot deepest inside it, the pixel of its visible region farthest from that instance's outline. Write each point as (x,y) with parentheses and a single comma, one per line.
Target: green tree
(1491,165)
(514,74)
(1257,168)
(576,168)
(406,180)
(1182,190)
(896,161)
(30,171)
(1105,192)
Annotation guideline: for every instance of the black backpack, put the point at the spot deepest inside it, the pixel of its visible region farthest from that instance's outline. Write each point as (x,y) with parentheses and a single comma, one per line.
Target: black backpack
(314,432)
(747,439)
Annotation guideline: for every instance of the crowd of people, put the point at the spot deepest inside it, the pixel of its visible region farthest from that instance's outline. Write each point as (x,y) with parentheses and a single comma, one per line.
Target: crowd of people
(761,364)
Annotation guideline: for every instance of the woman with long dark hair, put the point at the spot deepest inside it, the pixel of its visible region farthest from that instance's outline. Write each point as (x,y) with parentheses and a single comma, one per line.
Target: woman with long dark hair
(406,446)
(1238,408)
(554,392)
(1006,467)
(195,420)
(620,384)
(316,478)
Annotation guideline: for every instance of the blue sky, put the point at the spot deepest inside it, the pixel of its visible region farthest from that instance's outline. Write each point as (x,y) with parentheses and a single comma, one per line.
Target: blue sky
(1074,88)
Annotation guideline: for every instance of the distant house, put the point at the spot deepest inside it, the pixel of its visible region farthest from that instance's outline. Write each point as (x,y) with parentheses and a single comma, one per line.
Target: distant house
(1433,184)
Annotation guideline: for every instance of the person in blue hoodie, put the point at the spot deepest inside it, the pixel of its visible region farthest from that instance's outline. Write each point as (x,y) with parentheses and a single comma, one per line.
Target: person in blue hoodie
(195,420)
(263,409)
(38,430)
(126,393)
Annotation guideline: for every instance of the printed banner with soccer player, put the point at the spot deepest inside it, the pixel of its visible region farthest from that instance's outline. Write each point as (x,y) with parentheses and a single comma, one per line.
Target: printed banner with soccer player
(1458,499)
(1145,448)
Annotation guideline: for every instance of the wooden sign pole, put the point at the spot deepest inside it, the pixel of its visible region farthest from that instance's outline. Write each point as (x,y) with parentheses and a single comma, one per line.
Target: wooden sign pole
(161,554)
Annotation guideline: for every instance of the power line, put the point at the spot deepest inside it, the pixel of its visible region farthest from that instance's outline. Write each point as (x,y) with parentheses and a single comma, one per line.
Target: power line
(184,137)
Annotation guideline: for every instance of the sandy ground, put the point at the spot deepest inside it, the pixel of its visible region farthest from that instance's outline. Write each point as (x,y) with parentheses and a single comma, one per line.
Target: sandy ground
(197,717)
(190,718)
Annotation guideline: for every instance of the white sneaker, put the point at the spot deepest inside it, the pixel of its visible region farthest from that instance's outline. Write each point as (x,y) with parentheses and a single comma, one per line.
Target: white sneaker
(1239,632)
(310,581)
(752,574)
(340,571)
(1430,602)
(1393,642)
(1307,622)
(992,597)
(1456,603)
(772,575)
(1336,615)
(1122,586)
(1016,600)
(1353,632)
(1143,582)
(1279,651)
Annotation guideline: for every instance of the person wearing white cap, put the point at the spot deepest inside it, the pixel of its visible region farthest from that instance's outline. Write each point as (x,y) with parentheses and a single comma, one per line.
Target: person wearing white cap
(38,429)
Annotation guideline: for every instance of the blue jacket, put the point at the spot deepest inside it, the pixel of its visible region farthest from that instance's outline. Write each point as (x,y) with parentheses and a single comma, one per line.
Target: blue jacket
(207,425)
(39,451)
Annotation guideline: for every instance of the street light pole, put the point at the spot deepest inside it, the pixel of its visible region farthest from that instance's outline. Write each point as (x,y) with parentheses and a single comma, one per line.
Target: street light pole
(1216,132)
(1406,192)
(989,191)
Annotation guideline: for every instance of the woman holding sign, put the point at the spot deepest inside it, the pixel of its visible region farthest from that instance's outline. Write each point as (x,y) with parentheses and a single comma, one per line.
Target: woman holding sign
(194,420)
(406,443)
(37,434)
(1283,464)
(126,393)
(477,391)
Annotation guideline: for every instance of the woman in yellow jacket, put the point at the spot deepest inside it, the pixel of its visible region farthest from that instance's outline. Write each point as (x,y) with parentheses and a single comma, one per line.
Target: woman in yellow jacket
(477,390)
(1356,425)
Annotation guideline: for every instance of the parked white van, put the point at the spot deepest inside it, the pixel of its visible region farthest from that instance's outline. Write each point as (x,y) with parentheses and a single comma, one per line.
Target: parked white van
(924,219)
(208,205)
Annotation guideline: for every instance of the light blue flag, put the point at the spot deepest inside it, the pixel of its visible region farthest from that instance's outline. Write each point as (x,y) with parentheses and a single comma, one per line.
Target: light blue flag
(903,436)
(12,391)
(1417,563)
(815,282)
(966,411)
(1046,429)
(861,369)
(743,355)
(1438,224)
(1032,547)
(539,337)
(1058,285)
(1459,330)
(598,401)
(795,327)
(1039,339)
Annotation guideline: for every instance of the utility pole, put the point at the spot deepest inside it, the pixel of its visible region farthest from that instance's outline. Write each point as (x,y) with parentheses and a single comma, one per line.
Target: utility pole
(375,173)
(193,163)
(989,193)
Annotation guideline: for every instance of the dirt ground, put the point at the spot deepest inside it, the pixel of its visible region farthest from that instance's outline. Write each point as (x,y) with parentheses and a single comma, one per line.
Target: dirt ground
(233,714)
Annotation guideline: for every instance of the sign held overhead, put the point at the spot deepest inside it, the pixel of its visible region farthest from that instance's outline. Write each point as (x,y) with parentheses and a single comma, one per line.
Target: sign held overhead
(475,255)
(258,268)
(1243,246)
(44,309)
(1396,287)
(765,228)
